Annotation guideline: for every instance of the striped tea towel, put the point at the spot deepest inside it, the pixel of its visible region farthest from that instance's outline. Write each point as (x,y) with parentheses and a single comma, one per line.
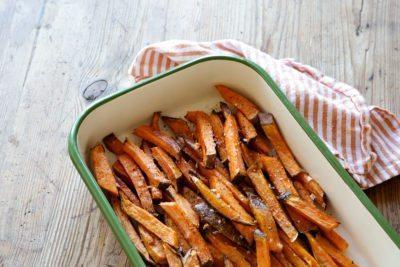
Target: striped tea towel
(366,139)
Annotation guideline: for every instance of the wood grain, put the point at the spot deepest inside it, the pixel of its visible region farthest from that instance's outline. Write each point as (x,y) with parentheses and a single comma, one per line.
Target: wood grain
(51,50)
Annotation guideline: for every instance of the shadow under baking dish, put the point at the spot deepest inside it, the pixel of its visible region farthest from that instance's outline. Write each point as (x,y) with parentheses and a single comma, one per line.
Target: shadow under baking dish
(373,242)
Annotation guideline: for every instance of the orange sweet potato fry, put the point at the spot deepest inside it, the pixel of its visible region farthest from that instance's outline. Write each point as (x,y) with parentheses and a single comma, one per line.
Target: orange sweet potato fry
(150,222)
(313,187)
(155,119)
(218,129)
(127,191)
(120,172)
(246,127)
(247,155)
(232,144)
(302,224)
(216,201)
(228,249)
(159,139)
(205,136)
(320,254)
(247,231)
(172,258)
(337,240)
(191,259)
(188,171)
(335,253)
(262,145)
(265,192)
(138,181)
(312,213)
(275,262)
(183,244)
(189,231)
(155,177)
(271,130)
(292,257)
(282,260)
(167,165)
(249,109)
(220,167)
(265,222)
(129,229)
(298,248)
(102,170)
(113,144)
(218,257)
(185,207)
(153,245)
(262,249)
(178,126)
(303,192)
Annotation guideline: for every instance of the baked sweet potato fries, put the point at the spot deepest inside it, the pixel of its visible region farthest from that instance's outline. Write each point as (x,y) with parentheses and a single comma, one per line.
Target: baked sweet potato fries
(217,189)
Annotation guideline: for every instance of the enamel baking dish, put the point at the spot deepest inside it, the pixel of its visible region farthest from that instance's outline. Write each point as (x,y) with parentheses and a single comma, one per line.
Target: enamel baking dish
(373,242)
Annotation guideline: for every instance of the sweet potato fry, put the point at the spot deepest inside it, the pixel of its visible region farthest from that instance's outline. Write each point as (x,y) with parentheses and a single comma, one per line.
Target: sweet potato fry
(275,262)
(102,170)
(191,259)
(189,232)
(172,258)
(153,245)
(219,204)
(271,130)
(129,229)
(303,192)
(138,181)
(121,186)
(145,146)
(336,239)
(151,223)
(313,214)
(220,167)
(292,257)
(302,224)
(315,189)
(218,257)
(188,171)
(178,126)
(262,145)
(113,144)
(232,144)
(246,127)
(320,254)
(155,119)
(228,263)
(265,222)
(262,249)
(183,244)
(204,135)
(335,253)
(247,155)
(218,129)
(282,260)
(159,139)
(240,102)
(167,165)
(229,250)
(185,207)
(120,172)
(154,175)
(265,192)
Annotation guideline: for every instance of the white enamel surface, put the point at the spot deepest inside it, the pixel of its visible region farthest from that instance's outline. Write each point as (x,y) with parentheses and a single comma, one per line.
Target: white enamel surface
(193,88)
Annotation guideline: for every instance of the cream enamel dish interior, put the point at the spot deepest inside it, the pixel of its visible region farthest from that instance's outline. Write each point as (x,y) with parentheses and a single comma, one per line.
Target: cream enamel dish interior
(192,88)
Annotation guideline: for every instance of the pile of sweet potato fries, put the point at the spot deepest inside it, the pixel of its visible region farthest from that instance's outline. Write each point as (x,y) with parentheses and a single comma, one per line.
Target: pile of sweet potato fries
(219,189)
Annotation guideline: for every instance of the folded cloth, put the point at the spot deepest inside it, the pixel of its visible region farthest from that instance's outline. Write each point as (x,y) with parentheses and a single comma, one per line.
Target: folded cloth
(365,139)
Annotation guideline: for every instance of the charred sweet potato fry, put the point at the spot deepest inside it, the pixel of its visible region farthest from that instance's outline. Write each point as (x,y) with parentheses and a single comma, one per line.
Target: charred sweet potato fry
(292,257)
(151,223)
(189,232)
(249,109)
(102,170)
(153,245)
(262,249)
(154,175)
(129,229)
(232,144)
(120,172)
(335,253)
(265,192)
(312,213)
(178,126)
(191,259)
(336,239)
(159,139)
(113,144)
(167,165)
(218,129)
(219,204)
(228,249)
(265,222)
(173,259)
(271,130)
(315,189)
(320,254)
(246,127)
(185,207)
(127,191)
(262,145)
(183,244)
(155,119)
(218,257)
(205,136)
(138,181)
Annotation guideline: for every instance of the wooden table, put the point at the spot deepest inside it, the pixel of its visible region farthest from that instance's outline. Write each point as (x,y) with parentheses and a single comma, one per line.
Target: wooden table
(51,50)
